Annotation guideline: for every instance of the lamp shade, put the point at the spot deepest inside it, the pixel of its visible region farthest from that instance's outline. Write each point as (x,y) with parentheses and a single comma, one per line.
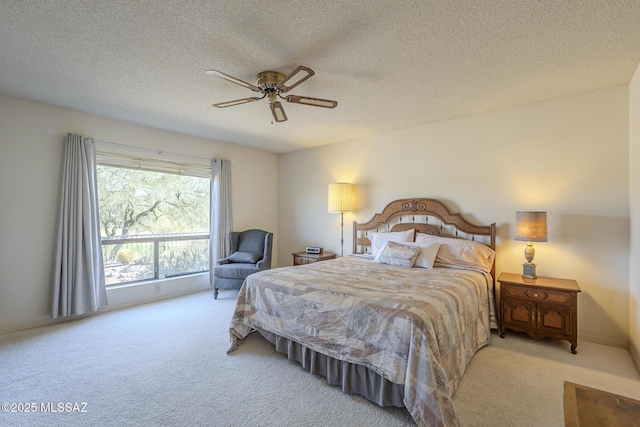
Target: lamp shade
(341,197)
(531,226)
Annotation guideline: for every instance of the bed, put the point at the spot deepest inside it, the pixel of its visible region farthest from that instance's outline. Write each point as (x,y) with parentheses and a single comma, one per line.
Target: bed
(395,324)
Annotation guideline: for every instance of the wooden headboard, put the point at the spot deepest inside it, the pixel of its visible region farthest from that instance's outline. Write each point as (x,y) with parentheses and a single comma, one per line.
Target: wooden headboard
(429,216)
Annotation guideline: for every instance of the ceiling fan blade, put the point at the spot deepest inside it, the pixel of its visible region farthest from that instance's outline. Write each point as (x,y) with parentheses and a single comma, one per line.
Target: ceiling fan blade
(233,80)
(294,78)
(278,111)
(236,102)
(316,102)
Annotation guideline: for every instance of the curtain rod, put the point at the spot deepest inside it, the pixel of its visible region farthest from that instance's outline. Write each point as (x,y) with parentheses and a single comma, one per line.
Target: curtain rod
(159,152)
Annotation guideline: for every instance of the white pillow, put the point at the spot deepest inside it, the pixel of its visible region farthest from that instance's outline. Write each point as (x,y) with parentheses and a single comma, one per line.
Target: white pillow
(427,255)
(379,239)
(460,252)
(397,254)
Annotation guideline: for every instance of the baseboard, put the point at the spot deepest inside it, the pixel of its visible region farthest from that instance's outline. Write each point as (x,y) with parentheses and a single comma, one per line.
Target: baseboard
(31,325)
(108,308)
(634,356)
(603,341)
(147,301)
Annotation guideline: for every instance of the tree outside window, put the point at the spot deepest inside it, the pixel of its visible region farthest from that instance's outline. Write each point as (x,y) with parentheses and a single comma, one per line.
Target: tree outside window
(153,224)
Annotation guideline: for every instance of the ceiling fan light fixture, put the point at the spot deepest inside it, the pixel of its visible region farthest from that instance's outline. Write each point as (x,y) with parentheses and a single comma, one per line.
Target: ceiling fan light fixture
(277,111)
(316,102)
(268,80)
(294,78)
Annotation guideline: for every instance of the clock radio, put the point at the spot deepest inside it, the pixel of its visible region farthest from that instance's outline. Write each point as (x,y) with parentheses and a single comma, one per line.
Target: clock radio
(314,250)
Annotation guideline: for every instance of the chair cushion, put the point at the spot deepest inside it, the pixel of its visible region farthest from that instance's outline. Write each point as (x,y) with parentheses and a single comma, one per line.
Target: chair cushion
(252,241)
(235,270)
(244,257)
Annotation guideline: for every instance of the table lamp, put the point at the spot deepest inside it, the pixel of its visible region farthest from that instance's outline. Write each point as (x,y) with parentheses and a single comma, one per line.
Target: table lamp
(530,227)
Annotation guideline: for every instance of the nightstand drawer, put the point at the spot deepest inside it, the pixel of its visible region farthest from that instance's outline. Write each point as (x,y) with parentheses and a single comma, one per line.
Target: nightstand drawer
(303,258)
(539,294)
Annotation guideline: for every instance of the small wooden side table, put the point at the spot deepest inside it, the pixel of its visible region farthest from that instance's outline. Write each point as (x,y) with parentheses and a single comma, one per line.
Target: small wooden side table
(589,407)
(542,307)
(301,258)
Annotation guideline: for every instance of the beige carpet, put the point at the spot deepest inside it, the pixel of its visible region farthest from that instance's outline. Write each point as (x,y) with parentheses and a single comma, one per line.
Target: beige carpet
(164,364)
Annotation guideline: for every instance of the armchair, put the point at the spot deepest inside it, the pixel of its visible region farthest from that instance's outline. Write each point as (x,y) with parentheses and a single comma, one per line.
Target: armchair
(250,253)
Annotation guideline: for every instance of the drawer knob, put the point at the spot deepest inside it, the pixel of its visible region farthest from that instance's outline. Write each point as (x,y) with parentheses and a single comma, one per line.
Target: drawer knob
(535,295)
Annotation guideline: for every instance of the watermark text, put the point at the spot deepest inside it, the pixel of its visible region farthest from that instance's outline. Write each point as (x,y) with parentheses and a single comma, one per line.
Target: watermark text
(49,407)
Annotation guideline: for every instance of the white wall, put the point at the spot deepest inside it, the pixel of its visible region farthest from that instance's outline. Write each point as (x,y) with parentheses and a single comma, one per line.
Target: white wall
(634,204)
(30,174)
(576,157)
(567,156)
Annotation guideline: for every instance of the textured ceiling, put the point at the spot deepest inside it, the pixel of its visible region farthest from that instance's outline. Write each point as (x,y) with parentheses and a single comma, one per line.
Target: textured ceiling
(390,64)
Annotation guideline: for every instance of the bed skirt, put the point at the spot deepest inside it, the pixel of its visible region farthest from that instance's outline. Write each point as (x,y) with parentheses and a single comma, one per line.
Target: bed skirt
(352,378)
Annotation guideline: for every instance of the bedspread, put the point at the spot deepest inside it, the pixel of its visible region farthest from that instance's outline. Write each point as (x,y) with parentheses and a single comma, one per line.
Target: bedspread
(413,326)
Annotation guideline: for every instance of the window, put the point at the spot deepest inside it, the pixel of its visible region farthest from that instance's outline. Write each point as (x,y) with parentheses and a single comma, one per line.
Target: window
(153,224)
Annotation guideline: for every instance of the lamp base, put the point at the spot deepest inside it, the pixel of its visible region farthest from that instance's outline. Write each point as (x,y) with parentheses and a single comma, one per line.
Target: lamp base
(529,270)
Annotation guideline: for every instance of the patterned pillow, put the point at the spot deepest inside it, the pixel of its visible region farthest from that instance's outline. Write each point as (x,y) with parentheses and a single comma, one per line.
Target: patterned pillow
(397,254)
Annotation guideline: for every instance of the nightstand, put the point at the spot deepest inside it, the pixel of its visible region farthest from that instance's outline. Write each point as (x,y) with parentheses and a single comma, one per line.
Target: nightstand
(301,258)
(542,307)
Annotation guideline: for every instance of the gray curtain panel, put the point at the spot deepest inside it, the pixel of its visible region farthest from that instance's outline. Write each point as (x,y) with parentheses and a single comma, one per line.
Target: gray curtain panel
(221,218)
(79,284)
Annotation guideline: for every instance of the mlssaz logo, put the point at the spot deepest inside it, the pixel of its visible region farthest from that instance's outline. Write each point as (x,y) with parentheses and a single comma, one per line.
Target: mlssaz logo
(63,407)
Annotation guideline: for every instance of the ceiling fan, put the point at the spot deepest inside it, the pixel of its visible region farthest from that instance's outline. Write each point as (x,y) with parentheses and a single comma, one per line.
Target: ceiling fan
(272,84)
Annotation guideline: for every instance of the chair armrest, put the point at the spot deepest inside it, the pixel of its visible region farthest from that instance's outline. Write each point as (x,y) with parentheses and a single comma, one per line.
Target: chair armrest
(265,262)
(223,261)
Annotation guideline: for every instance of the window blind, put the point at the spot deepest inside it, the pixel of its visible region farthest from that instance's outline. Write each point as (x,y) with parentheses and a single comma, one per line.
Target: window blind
(152,164)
